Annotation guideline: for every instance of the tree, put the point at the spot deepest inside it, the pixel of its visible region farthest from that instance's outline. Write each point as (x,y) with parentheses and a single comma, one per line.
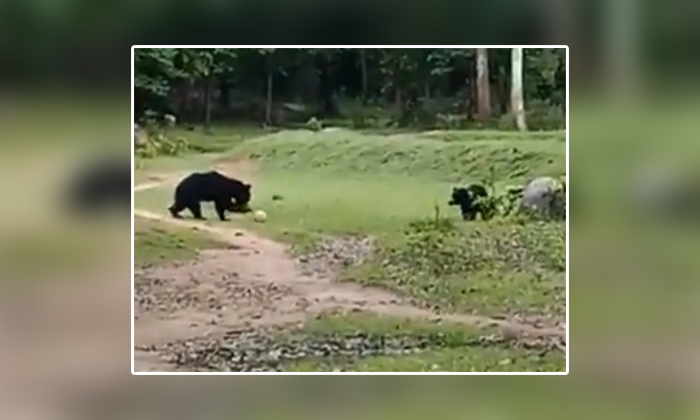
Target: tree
(154,72)
(482,84)
(328,86)
(272,66)
(516,97)
(363,69)
(207,65)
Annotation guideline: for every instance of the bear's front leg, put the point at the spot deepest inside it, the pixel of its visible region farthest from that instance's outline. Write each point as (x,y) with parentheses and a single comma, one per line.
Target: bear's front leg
(175,211)
(221,207)
(196,210)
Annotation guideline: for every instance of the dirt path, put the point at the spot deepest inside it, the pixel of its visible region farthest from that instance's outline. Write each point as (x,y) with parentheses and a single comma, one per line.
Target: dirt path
(254,283)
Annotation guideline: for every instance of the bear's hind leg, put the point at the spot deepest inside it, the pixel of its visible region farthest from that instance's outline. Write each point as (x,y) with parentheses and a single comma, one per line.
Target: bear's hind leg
(196,210)
(468,213)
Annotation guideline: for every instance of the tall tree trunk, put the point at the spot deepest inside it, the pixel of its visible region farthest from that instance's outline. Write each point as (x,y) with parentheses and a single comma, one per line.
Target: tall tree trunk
(398,101)
(328,90)
(207,103)
(517,104)
(472,99)
(182,93)
(268,105)
(502,89)
(185,102)
(363,66)
(483,87)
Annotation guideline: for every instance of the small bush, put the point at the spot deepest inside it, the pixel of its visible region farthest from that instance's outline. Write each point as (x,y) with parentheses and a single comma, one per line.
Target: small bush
(437,248)
(364,118)
(451,122)
(157,141)
(539,116)
(314,124)
(506,122)
(542,115)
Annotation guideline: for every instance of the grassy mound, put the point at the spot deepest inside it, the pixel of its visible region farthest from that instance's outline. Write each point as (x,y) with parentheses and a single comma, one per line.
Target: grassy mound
(444,157)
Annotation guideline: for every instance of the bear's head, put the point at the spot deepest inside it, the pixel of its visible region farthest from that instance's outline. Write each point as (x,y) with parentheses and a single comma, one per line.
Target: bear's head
(460,196)
(245,195)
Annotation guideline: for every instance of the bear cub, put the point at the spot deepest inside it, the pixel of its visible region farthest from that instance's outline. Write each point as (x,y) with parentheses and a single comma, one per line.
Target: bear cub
(226,193)
(467,198)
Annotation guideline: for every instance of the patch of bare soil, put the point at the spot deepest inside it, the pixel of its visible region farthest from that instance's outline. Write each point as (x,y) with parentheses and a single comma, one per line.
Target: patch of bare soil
(332,254)
(268,350)
(255,284)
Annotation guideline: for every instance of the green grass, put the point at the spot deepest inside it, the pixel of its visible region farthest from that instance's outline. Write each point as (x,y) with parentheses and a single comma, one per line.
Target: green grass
(156,244)
(455,348)
(460,359)
(466,156)
(204,147)
(219,139)
(343,182)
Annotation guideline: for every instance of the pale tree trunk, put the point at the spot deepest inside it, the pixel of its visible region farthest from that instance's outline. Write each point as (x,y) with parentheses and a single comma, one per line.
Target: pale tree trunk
(363,66)
(483,87)
(268,105)
(517,105)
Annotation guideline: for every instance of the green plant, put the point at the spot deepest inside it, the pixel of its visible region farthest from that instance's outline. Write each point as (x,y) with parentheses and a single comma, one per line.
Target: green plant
(543,115)
(451,121)
(157,141)
(363,117)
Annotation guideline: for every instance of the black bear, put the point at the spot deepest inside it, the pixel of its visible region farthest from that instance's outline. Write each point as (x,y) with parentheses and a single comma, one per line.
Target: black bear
(467,198)
(101,184)
(226,193)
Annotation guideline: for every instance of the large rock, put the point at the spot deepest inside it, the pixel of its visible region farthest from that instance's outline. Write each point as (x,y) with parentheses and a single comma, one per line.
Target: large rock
(140,137)
(545,196)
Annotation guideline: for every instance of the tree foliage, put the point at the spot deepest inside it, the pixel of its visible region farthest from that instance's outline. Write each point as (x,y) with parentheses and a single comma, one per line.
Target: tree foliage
(405,81)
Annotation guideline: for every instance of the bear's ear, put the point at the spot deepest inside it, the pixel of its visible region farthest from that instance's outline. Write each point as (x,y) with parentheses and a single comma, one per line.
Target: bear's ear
(247,186)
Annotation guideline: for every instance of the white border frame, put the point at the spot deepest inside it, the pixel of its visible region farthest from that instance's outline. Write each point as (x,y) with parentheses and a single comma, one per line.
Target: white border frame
(351,373)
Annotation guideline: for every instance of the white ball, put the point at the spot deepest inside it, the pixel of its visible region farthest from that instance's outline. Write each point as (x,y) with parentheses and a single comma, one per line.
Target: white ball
(259,216)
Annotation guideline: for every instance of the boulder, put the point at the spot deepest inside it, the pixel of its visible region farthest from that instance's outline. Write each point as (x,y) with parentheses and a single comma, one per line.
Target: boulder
(546,197)
(140,137)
